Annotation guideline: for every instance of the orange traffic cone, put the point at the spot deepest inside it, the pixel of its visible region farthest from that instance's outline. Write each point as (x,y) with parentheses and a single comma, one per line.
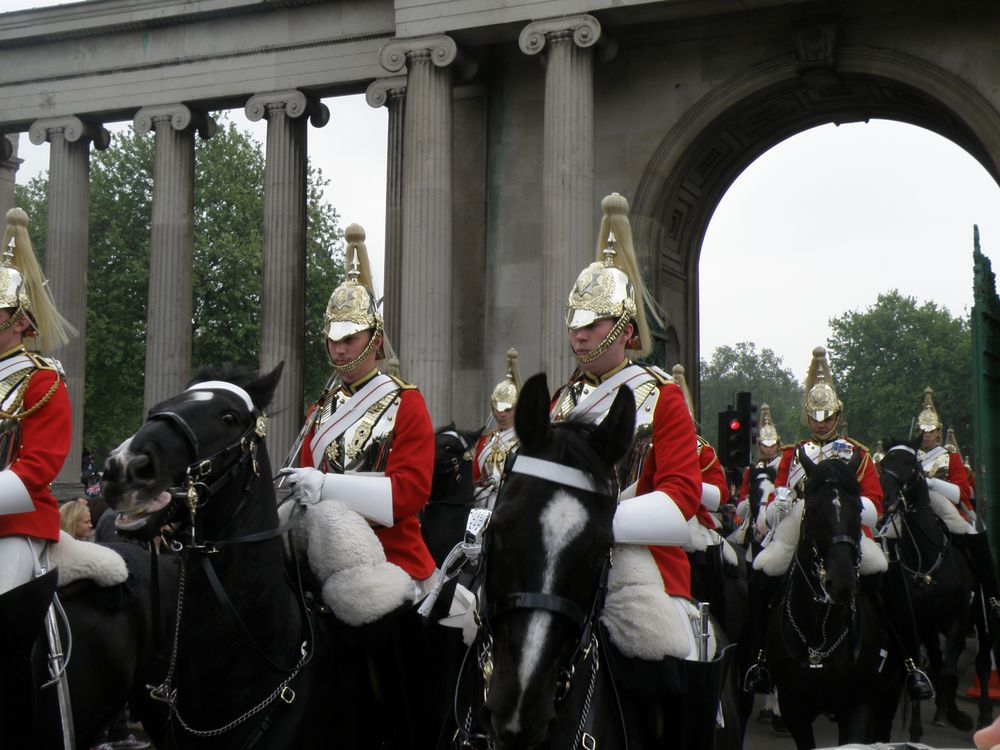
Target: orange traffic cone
(994,687)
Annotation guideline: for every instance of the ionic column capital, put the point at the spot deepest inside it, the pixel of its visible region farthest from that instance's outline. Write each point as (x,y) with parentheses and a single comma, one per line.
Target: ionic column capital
(72,128)
(441,48)
(382,90)
(180,117)
(294,103)
(585,29)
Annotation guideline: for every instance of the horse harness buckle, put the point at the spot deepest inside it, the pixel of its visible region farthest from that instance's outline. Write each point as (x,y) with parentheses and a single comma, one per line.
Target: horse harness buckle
(287,695)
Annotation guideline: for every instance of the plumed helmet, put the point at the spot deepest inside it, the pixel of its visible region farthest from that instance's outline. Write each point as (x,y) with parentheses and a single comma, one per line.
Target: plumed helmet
(678,373)
(768,434)
(821,399)
(927,419)
(352,305)
(612,287)
(505,392)
(951,442)
(23,287)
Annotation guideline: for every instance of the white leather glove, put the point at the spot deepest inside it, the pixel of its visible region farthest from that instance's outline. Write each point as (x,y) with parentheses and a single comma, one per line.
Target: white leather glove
(782,503)
(869,516)
(945,488)
(742,509)
(306,484)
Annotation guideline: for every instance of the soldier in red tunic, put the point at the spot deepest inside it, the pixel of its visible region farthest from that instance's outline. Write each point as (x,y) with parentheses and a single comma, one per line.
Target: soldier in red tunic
(606,317)
(369,441)
(492,448)
(34,442)
(947,478)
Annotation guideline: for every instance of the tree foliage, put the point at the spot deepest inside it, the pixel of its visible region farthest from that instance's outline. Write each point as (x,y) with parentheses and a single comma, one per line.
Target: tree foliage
(228,220)
(883,357)
(743,368)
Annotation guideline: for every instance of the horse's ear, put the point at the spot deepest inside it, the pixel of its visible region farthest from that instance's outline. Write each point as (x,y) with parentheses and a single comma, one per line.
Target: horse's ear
(445,428)
(531,418)
(855,462)
(471,436)
(804,460)
(918,439)
(261,390)
(613,436)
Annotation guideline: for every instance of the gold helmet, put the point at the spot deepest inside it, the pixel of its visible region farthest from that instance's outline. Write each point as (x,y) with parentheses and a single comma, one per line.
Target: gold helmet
(928,419)
(768,434)
(505,392)
(678,373)
(23,288)
(821,399)
(612,287)
(951,443)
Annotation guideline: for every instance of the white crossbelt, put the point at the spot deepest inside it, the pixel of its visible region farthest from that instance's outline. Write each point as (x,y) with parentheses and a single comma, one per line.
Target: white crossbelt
(375,389)
(599,400)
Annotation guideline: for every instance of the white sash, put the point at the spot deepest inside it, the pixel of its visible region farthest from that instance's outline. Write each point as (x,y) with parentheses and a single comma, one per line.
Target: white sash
(351,411)
(599,400)
(928,458)
(497,437)
(817,454)
(13,365)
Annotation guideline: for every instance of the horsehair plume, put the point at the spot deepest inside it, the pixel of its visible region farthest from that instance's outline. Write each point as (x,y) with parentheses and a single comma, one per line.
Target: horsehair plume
(678,373)
(615,221)
(356,248)
(392,367)
(52,328)
(388,353)
(928,397)
(951,443)
(819,372)
(512,370)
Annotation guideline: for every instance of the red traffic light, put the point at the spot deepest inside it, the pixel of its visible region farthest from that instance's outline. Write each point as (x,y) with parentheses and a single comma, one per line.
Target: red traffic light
(734,425)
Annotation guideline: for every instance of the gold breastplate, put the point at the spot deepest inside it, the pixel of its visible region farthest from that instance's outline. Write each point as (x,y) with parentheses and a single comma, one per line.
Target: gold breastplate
(12,389)
(938,465)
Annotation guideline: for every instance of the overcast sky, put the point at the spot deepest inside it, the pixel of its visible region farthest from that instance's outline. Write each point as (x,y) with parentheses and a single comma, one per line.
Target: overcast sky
(819,225)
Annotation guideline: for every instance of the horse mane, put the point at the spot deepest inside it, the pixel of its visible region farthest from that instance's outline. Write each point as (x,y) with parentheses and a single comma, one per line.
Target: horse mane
(892,442)
(842,473)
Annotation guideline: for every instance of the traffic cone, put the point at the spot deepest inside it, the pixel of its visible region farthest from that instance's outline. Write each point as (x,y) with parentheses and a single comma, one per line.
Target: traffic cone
(994,688)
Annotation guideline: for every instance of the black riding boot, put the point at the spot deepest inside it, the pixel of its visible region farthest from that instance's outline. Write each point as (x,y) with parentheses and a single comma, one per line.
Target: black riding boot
(977,549)
(762,589)
(22,621)
(898,612)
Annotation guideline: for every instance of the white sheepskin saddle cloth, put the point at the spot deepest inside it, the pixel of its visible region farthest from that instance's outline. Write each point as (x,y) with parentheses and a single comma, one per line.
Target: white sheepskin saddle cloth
(949,513)
(346,557)
(642,620)
(703,538)
(775,558)
(77,560)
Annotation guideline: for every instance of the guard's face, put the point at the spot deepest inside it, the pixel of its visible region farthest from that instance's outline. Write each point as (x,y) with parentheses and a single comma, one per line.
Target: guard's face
(930,439)
(505,418)
(12,336)
(767,452)
(823,428)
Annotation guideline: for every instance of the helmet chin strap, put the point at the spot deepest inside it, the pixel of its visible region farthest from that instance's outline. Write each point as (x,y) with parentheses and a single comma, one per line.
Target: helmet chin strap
(356,362)
(613,334)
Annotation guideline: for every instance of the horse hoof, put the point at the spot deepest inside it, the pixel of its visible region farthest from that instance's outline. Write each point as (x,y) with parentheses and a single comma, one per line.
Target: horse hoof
(960,720)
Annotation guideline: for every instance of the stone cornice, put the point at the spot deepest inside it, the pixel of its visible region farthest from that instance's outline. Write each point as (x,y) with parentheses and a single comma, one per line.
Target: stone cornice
(381,90)
(73,130)
(180,116)
(442,49)
(586,31)
(294,102)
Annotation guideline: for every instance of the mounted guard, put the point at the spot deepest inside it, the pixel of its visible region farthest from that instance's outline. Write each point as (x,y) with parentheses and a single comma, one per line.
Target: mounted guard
(492,448)
(34,442)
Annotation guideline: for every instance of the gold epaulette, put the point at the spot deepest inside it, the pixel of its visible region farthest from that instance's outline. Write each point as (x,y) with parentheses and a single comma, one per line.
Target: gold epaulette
(40,362)
(951,449)
(403,384)
(852,441)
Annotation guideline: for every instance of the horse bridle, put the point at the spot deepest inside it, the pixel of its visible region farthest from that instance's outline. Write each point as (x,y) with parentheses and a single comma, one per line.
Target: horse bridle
(915,477)
(486,613)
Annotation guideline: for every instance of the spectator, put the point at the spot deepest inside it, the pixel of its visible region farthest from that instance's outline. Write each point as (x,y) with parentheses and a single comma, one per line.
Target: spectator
(74,519)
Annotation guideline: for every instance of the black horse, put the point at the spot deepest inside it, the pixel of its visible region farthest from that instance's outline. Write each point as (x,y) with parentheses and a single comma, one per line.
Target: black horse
(539,674)
(118,636)
(938,577)
(252,663)
(443,520)
(824,637)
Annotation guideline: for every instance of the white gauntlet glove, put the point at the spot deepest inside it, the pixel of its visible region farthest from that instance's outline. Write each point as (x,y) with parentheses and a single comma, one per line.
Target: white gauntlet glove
(306,484)
(944,488)
(742,509)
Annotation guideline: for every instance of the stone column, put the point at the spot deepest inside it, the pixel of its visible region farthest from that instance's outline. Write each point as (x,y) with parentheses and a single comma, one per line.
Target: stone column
(66,252)
(8,171)
(568,202)
(283,300)
(425,338)
(391,93)
(171,247)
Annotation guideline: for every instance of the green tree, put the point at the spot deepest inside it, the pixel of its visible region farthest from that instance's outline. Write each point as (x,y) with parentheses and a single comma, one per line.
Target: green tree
(883,357)
(743,368)
(228,217)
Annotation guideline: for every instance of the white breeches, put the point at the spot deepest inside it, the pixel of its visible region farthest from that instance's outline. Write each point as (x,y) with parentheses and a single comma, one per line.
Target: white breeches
(19,561)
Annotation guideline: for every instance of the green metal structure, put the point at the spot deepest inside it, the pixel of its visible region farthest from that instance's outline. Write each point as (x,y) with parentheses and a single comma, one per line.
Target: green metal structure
(986,390)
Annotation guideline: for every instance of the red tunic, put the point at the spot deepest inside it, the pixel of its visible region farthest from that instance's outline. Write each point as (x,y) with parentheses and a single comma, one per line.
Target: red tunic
(711,473)
(480,446)
(45,438)
(672,467)
(410,467)
(866,474)
(959,476)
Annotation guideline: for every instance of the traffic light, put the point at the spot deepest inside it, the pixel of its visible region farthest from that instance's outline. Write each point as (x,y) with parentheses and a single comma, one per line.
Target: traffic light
(731,452)
(746,409)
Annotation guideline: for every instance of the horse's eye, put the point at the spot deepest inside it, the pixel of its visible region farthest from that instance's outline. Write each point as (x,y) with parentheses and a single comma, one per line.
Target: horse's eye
(230,418)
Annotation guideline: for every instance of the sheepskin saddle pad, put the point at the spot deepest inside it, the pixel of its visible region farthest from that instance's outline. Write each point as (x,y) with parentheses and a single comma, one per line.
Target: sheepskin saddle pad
(77,560)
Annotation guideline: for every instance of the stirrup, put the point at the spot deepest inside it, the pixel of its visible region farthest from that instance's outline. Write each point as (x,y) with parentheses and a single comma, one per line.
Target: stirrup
(757,679)
(918,684)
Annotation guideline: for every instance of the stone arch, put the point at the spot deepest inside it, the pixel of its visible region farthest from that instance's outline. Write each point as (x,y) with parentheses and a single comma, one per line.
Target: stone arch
(725,131)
